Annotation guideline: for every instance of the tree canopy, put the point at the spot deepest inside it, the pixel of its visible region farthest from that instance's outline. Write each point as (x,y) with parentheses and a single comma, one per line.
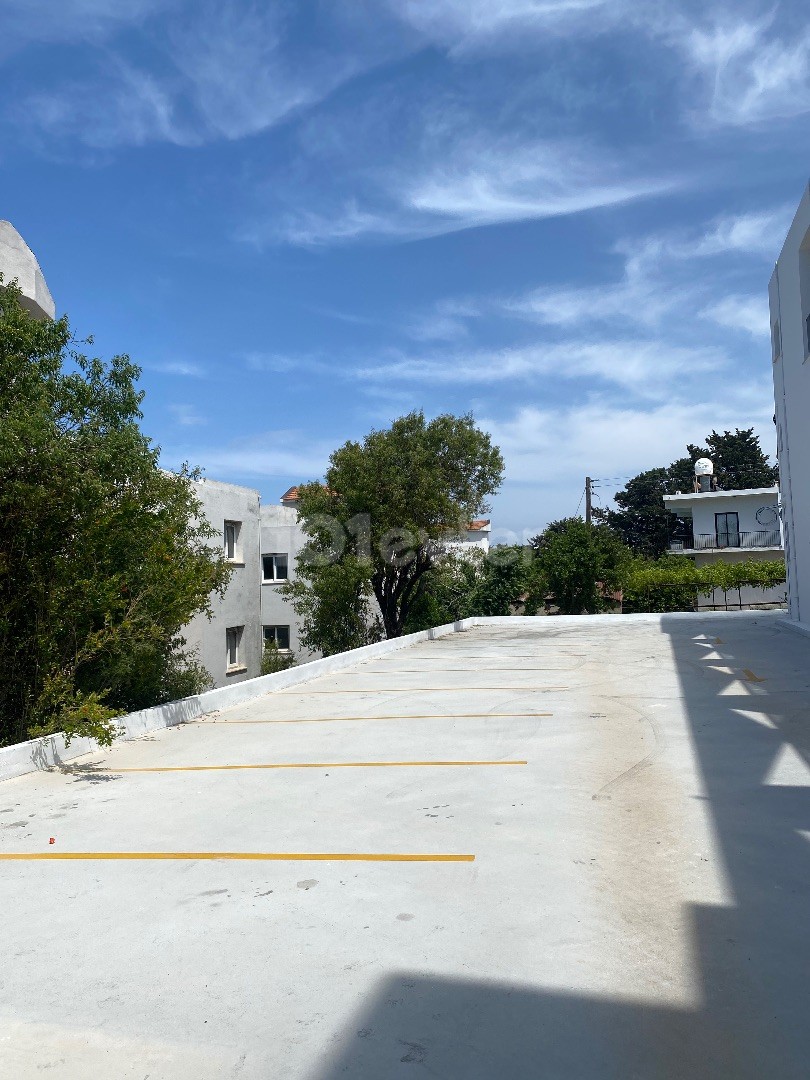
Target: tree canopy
(642,520)
(103,555)
(387,510)
(580,565)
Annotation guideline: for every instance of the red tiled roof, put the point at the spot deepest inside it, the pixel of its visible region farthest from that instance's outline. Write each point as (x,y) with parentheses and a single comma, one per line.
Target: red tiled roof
(478,526)
(290,495)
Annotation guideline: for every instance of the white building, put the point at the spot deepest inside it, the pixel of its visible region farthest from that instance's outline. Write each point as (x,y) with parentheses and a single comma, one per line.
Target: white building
(789,295)
(18,261)
(230,643)
(730,526)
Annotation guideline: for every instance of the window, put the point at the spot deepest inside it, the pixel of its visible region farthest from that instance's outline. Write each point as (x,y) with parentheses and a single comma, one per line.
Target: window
(728,530)
(280,635)
(776,341)
(232,530)
(233,643)
(274,567)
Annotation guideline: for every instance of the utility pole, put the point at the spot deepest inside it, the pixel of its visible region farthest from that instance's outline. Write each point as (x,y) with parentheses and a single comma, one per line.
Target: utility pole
(588,486)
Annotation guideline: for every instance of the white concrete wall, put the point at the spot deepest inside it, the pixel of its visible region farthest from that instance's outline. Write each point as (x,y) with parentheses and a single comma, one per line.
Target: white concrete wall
(281,533)
(18,261)
(789,295)
(241,604)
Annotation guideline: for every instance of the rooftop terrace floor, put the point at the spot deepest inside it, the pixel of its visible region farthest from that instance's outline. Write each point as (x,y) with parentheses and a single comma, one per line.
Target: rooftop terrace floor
(606,832)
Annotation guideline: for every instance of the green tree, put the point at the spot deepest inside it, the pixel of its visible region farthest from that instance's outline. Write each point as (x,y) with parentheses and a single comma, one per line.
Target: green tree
(739,460)
(383,517)
(580,565)
(273,659)
(103,555)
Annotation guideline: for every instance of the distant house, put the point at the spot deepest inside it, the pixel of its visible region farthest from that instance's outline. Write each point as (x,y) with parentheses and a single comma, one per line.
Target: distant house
(789,295)
(730,526)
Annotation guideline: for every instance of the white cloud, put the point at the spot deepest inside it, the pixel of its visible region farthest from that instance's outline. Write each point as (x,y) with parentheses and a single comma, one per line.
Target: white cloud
(549,451)
(219,71)
(750,74)
(642,368)
(460,181)
(268,454)
(177,367)
(129,106)
(472,23)
(663,276)
(747,313)
(186,415)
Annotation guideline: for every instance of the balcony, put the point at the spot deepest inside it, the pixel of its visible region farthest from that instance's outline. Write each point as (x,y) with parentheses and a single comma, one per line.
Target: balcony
(737,541)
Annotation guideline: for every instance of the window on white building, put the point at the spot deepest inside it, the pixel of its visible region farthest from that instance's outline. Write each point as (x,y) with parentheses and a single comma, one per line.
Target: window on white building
(776,341)
(274,567)
(280,635)
(232,531)
(233,647)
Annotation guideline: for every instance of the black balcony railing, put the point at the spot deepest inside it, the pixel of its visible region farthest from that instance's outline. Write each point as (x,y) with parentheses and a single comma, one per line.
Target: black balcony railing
(762,538)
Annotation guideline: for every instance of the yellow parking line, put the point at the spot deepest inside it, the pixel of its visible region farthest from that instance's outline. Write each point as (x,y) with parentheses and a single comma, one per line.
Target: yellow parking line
(423,690)
(249,856)
(750,676)
(442,671)
(417,716)
(299,765)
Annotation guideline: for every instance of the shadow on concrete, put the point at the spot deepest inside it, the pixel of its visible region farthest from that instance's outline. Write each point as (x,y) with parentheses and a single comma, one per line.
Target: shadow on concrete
(90,774)
(752,956)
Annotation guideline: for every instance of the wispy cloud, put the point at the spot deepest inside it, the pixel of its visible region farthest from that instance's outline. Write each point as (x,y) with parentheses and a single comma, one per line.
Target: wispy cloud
(751,74)
(736,312)
(186,415)
(266,454)
(177,367)
(215,71)
(466,24)
(667,273)
(642,368)
(466,181)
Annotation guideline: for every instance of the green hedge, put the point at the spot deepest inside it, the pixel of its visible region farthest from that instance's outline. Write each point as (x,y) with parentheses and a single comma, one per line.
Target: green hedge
(674,583)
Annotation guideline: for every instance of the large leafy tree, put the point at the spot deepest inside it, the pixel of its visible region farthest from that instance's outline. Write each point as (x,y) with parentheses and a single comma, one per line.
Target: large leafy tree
(642,520)
(382,519)
(580,565)
(103,556)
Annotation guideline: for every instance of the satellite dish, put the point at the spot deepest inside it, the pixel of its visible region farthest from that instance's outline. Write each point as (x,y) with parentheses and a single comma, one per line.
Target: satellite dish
(767,516)
(704,467)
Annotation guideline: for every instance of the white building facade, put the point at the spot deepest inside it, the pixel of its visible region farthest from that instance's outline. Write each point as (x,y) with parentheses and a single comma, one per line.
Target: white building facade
(789,295)
(730,526)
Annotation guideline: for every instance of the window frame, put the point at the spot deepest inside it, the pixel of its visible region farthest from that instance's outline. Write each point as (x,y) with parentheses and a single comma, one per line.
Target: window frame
(274,555)
(726,532)
(233,646)
(234,528)
(275,627)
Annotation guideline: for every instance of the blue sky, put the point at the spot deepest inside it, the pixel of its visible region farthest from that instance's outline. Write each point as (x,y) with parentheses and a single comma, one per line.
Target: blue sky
(305,219)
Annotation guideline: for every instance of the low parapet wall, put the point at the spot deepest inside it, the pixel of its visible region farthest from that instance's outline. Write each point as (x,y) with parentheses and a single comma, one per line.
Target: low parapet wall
(51,751)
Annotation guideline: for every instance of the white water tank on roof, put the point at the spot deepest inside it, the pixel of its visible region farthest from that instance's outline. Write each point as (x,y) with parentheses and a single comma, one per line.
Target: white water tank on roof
(18,261)
(704,467)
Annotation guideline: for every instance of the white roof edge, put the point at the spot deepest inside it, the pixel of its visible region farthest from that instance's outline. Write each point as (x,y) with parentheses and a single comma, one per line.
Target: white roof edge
(721,494)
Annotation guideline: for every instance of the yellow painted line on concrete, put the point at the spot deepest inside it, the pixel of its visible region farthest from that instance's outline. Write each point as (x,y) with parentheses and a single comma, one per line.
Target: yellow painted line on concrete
(423,690)
(417,716)
(466,670)
(750,676)
(248,856)
(298,765)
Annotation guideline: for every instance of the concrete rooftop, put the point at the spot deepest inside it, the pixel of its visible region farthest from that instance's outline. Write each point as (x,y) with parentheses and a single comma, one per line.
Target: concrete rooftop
(635,794)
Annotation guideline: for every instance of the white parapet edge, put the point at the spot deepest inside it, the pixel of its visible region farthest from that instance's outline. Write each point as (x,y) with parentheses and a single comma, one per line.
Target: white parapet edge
(51,751)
